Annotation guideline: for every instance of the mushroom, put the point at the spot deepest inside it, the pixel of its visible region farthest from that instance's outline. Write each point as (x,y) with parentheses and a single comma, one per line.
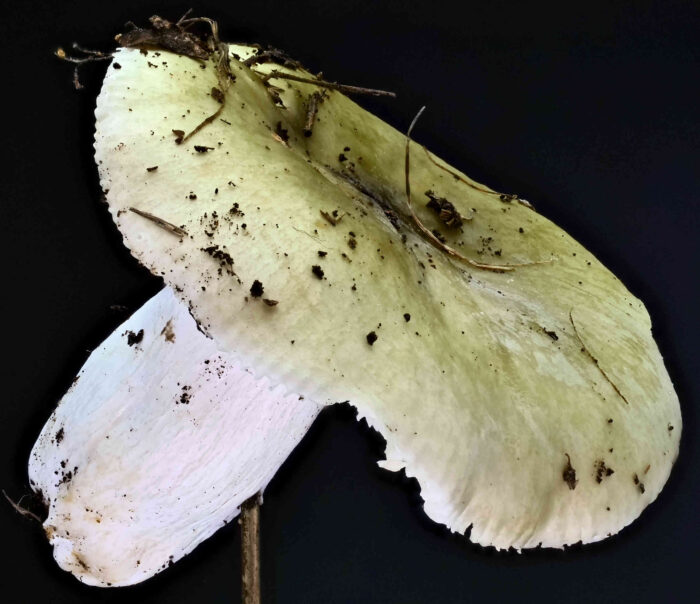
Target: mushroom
(495,393)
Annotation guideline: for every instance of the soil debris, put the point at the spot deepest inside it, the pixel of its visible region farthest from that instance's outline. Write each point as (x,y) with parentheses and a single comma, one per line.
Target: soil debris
(282,133)
(273,55)
(551,333)
(445,210)
(256,290)
(166,35)
(333,218)
(569,473)
(185,396)
(167,332)
(218,95)
(602,471)
(134,338)
(639,484)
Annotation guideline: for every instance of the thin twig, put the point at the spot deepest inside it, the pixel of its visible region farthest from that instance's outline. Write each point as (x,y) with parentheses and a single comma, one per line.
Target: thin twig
(204,122)
(311,111)
(275,55)
(184,23)
(91,57)
(61,54)
(187,14)
(76,79)
(499,268)
(250,550)
(324,84)
(18,508)
(455,175)
(307,234)
(90,52)
(332,220)
(168,226)
(223,69)
(224,79)
(584,348)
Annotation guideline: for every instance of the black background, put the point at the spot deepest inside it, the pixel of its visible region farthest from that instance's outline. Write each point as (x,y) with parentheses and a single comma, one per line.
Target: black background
(590,112)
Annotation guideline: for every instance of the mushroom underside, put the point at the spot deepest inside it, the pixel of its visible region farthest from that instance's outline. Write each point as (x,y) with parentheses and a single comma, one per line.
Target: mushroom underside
(155,446)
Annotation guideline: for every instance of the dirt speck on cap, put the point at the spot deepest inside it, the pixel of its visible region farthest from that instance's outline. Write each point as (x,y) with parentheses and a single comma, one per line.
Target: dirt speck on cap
(569,473)
(256,290)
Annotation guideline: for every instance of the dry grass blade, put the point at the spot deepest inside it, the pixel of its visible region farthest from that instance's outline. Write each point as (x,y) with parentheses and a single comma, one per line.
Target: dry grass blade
(344,88)
(588,353)
(456,176)
(164,224)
